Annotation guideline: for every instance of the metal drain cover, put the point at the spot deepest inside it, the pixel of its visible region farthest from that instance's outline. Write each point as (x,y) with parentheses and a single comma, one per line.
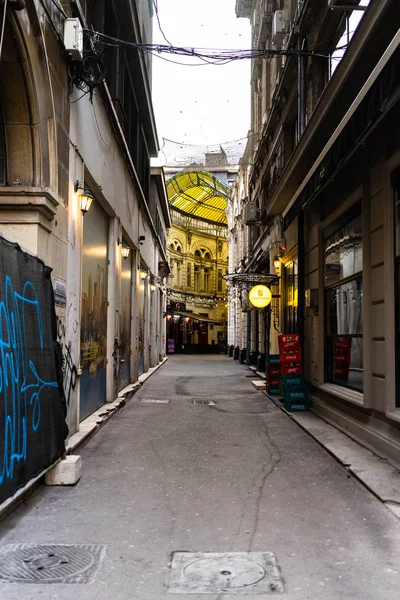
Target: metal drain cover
(55,563)
(206,402)
(153,401)
(227,573)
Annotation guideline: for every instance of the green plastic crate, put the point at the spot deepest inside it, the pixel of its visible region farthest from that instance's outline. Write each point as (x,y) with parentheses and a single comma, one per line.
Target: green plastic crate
(273,359)
(296,399)
(296,405)
(273,390)
(290,381)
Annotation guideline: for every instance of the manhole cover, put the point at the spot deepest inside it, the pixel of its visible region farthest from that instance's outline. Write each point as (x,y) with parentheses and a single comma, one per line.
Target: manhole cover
(153,401)
(56,563)
(228,573)
(206,402)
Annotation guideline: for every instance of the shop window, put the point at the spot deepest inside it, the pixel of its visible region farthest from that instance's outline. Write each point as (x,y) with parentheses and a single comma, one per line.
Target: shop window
(2,154)
(291,296)
(344,304)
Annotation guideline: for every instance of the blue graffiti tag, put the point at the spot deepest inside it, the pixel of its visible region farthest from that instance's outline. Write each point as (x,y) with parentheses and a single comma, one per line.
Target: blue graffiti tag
(20,383)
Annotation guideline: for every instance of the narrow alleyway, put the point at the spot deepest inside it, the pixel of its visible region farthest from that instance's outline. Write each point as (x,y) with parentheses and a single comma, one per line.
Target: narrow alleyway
(234,476)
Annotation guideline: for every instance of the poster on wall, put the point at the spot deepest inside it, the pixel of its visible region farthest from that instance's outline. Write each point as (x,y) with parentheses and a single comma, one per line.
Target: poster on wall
(141,323)
(124,354)
(171,346)
(94,311)
(32,403)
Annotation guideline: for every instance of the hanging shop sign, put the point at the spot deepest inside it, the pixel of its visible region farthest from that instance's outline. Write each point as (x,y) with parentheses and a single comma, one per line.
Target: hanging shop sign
(260,296)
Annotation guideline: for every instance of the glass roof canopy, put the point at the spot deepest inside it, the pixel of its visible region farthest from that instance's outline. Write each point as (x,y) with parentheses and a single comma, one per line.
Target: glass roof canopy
(199,194)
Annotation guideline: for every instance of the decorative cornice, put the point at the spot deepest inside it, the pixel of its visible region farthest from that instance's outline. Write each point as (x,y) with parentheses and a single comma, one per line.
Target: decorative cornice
(29,198)
(244,8)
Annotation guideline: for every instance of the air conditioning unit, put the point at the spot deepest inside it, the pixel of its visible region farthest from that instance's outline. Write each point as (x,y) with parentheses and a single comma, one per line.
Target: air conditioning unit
(73,38)
(251,213)
(280,26)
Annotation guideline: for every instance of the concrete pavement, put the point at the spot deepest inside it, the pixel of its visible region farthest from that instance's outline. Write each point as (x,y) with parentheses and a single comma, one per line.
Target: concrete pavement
(218,469)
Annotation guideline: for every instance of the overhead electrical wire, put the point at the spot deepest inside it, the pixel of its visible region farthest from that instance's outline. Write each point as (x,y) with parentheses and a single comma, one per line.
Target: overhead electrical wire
(155,4)
(60,8)
(209,56)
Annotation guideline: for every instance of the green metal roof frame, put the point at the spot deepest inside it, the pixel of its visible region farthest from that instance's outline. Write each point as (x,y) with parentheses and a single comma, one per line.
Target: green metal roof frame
(199,194)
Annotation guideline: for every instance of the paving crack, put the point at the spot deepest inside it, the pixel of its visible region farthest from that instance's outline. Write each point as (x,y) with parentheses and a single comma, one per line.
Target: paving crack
(267,470)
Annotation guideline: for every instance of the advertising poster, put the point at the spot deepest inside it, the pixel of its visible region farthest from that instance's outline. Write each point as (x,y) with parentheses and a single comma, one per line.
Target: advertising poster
(94,311)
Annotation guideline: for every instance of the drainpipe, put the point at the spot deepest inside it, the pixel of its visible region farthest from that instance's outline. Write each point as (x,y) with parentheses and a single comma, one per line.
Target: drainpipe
(301,279)
(301,95)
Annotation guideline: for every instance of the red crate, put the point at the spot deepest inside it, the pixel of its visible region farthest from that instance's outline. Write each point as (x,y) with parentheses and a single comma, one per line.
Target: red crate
(289,337)
(273,370)
(288,345)
(290,357)
(293,368)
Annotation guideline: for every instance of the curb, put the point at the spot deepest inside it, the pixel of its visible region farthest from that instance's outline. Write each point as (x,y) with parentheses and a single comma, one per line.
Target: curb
(352,452)
(88,429)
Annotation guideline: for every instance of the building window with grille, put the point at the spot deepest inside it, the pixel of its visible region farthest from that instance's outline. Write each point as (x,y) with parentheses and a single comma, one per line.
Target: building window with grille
(291,296)
(196,278)
(344,301)
(189,276)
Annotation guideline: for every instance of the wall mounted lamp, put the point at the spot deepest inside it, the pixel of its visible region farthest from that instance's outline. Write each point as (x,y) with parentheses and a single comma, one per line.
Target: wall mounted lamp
(86,197)
(125,250)
(277,265)
(143,275)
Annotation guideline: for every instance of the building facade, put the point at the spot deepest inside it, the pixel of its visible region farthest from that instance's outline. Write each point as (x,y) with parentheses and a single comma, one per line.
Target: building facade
(323,190)
(77,124)
(197,251)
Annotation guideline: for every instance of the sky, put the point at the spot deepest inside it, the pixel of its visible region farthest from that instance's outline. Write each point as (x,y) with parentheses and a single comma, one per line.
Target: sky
(207,104)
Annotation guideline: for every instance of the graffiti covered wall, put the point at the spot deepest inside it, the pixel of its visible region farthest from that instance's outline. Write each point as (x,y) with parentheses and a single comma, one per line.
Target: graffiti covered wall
(32,403)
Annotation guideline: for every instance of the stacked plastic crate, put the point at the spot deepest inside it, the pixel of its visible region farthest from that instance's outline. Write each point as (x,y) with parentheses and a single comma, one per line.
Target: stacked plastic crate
(293,387)
(273,374)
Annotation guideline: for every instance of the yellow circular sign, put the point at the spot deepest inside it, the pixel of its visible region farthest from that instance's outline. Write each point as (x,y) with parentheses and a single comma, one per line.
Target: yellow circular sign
(260,296)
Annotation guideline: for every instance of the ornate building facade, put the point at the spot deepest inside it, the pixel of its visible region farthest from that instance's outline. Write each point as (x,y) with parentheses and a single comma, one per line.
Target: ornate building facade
(320,202)
(197,251)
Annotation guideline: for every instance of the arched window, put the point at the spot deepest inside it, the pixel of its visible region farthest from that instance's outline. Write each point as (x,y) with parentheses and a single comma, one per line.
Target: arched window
(197,253)
(207,256)
(3,178)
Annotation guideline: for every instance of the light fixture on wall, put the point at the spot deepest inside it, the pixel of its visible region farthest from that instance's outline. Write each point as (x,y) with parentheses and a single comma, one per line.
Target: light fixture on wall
(277,265)
(143,275)
(125,250)
(85,196)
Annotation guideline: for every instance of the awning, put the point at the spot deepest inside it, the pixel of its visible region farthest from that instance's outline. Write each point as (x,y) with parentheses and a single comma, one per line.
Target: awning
(194,316)
(251,278)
